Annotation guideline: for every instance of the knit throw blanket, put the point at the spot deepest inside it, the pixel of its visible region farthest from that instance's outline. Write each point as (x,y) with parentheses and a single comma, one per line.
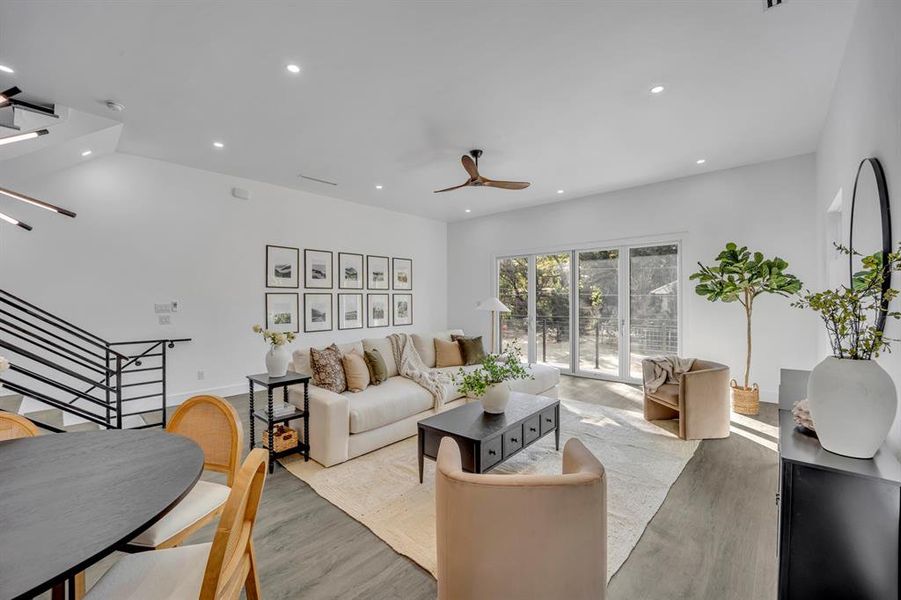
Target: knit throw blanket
(410,365)
(664,369)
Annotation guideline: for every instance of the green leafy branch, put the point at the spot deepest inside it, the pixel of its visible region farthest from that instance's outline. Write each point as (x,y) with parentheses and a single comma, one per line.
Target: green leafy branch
(494,369)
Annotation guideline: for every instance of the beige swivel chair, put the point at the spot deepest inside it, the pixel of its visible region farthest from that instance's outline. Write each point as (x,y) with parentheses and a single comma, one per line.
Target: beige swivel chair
(521,536)
(13,427)
(214,425)
(700,400)
(204,571)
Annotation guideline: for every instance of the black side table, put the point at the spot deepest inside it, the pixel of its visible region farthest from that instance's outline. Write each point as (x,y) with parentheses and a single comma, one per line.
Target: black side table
(270,383)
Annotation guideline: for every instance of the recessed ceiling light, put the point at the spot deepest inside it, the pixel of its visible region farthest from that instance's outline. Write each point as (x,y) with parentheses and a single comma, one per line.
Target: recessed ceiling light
(218,144)
(469,210)
(87,152)
(114,106)
(6,69)
(559,191)
(292,68)
(657,89)
(378,187)
(701,161)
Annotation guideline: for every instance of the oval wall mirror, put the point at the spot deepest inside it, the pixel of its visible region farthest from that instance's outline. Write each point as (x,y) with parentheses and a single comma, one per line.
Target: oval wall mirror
(871,224)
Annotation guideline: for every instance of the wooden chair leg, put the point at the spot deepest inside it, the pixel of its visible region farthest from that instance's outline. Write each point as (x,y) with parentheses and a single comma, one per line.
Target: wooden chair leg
(252,585)
(58,592)
(79,587)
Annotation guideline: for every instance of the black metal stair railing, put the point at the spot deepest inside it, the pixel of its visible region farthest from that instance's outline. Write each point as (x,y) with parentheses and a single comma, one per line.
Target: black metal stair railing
(68,368)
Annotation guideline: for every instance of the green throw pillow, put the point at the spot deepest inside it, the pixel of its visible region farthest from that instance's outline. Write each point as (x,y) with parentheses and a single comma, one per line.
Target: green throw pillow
(472,350)
(378,372)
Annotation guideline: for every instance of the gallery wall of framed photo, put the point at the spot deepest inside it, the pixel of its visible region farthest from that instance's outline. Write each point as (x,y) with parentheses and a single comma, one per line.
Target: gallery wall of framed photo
(370,290)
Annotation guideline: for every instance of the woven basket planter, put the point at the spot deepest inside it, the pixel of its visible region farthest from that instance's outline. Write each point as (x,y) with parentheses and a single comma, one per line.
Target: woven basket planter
(745,401)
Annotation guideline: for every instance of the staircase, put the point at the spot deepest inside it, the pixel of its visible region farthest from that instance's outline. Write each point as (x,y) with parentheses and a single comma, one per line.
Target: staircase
(65,378)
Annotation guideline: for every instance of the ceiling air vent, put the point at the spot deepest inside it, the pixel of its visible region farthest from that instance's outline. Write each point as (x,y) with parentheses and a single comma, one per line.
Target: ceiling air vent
(768,4)
(317,180)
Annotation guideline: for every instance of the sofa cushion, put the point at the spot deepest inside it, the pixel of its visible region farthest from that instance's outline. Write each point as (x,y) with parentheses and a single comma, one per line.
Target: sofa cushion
(378,372)
(302,356)
(668,393)
(356,372)
(388,403)
(425,344)
(545,377)
(447,354)
(383,345)
(328,369)
(450,389)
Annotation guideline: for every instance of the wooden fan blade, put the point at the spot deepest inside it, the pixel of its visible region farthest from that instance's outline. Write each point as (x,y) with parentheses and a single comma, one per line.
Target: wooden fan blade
(470,166)
(456,187)
(506,185)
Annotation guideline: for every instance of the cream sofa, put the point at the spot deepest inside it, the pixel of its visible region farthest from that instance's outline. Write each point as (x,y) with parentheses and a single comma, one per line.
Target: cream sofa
(344,426)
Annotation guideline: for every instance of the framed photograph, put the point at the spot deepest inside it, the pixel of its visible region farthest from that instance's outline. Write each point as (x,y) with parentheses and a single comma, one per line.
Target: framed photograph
(282,312)
(402,273)
(317,312)
(350,311)
(377,273)
(377,310)
(282,267)
(318,269)
(402,310)
(350,271)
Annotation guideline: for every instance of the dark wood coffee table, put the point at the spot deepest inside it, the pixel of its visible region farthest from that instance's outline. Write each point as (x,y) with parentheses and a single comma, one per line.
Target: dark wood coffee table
(487,440)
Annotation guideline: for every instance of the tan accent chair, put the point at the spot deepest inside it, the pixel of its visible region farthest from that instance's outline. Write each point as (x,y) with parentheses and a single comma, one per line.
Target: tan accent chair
(700,400)
(521,536)
(214,425)
(13,427)
(219,570)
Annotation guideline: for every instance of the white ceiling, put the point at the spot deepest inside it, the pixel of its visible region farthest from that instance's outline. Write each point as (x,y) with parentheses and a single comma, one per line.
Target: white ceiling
(393,93)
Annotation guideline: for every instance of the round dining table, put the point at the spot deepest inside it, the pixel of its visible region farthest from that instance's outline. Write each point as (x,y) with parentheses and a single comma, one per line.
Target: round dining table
(69,499)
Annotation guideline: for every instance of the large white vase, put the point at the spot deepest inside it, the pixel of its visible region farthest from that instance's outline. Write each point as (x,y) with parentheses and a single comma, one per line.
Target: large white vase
(852,404)
(495,399)
(277,360)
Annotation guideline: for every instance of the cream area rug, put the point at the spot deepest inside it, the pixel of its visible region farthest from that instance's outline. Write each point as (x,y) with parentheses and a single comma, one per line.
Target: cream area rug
(382,490)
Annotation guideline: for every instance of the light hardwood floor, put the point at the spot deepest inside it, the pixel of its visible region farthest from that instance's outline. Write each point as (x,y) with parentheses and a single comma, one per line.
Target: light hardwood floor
(713,538)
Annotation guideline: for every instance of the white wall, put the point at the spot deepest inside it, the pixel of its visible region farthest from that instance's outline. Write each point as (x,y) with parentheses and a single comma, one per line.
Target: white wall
(767,206)
(865,120)
(149,231)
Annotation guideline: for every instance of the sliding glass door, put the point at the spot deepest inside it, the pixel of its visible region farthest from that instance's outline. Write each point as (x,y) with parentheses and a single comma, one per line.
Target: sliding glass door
(593,312)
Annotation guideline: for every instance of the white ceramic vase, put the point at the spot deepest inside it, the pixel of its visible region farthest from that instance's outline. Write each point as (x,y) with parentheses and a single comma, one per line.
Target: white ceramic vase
(495,399)
(277,360)
(852,404)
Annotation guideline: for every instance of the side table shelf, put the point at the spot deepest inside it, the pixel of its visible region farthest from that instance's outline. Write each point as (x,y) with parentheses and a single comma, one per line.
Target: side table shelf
(271,420)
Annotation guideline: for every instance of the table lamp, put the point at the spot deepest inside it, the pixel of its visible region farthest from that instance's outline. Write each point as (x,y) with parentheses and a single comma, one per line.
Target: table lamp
(495,306)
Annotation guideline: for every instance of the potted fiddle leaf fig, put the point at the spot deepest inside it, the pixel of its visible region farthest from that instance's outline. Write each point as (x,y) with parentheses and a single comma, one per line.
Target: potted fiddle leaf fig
(741,276)
(852,399)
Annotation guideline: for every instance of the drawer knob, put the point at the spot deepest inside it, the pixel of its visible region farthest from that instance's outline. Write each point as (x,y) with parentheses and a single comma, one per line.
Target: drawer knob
(549,420)
(514,440)
(532,429)
(492,452)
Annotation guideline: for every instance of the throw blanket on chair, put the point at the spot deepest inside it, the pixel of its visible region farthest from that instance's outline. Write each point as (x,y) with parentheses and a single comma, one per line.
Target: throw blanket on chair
(665,369)
(410,365)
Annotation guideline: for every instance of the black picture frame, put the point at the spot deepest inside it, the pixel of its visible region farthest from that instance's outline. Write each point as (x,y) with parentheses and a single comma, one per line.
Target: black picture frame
(370,259)
(408,286)
(394,298)
(340,311)
(369,320)
(307,327)
(272,276)
(362,276)
(308,281)
(270,323)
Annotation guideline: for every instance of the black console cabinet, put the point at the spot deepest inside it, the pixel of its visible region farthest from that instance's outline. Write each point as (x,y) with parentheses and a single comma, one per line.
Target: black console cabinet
(838,521)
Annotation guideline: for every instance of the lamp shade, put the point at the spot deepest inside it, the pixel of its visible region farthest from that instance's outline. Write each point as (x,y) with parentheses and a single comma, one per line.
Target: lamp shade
(492,304)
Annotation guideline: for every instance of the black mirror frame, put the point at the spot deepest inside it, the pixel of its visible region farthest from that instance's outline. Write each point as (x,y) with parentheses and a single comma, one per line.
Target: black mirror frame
(882,188)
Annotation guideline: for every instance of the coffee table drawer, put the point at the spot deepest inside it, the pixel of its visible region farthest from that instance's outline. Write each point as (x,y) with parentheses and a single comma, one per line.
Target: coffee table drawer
(491,452)
(548,420)
(531,429)
(512,440)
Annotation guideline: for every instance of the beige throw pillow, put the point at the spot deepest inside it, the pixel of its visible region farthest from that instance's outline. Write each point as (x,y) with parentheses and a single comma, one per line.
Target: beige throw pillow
(356,372)
(447,354)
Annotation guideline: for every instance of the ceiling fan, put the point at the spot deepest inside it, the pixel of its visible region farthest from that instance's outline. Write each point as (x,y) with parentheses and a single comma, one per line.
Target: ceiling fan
(471,164)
